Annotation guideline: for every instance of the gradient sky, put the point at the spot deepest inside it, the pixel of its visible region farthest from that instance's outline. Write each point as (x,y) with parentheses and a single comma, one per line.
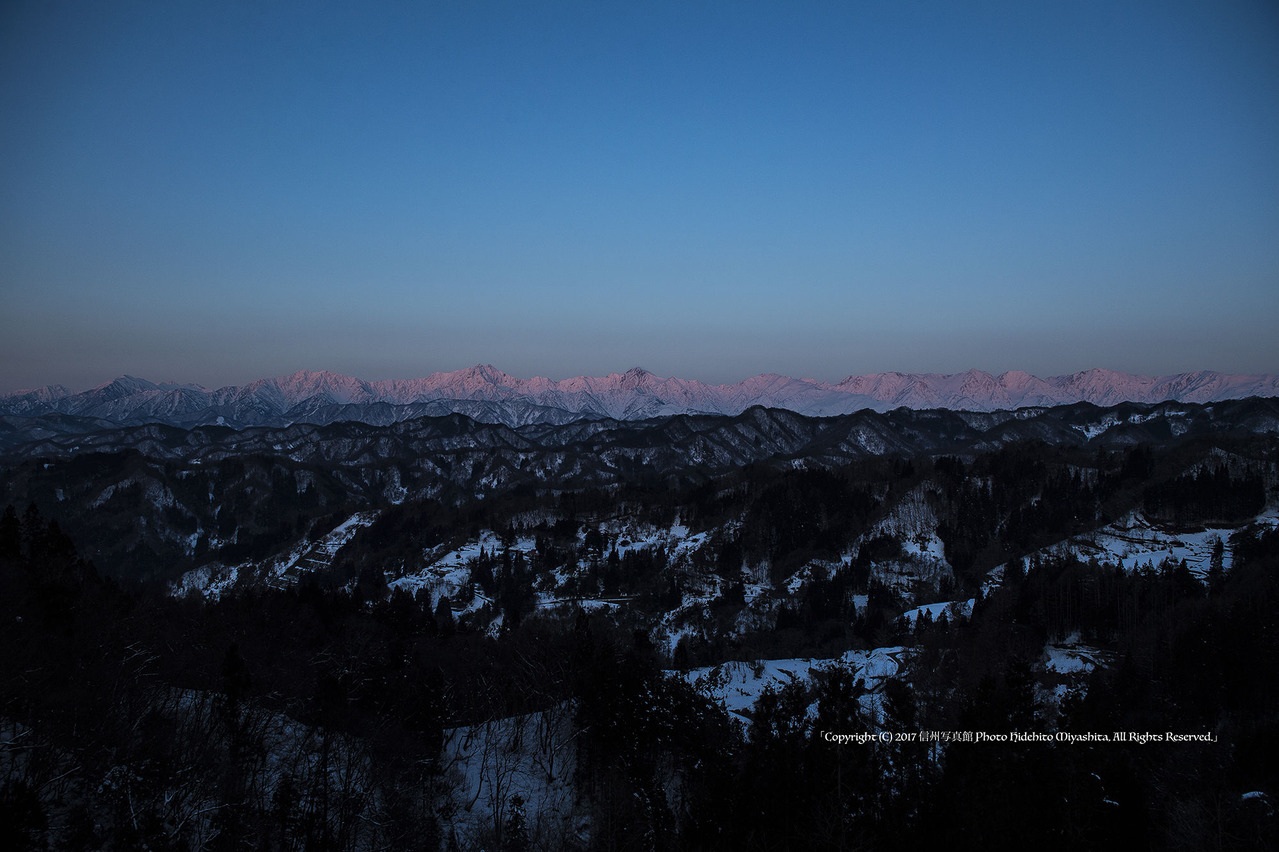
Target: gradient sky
(218,192)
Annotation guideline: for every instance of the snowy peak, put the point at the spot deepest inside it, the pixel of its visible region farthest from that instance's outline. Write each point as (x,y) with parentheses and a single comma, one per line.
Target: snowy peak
(48,393)
(123,386)
(634,378)
(484,373)
(304,384)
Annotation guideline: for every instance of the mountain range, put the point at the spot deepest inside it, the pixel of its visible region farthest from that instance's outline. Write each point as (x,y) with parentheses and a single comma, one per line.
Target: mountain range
(489,395)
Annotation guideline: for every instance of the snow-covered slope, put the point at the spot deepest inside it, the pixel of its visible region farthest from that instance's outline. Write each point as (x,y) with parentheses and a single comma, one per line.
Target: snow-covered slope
(1136,542)
(737,685)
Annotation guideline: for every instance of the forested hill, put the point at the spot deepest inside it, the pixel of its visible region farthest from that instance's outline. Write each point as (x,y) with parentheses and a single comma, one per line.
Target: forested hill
(159,501)
(442,634)
(602,449)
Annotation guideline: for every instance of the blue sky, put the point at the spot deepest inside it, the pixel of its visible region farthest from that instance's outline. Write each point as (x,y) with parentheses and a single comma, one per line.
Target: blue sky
(218,192)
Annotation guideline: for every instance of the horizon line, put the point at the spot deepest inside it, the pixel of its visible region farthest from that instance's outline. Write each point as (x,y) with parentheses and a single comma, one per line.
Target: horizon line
(176,384)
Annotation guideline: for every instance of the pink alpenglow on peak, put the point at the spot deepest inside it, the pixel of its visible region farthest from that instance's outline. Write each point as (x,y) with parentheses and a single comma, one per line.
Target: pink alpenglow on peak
(485,392)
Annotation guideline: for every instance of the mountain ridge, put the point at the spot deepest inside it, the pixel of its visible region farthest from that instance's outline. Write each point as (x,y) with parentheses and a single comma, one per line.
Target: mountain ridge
(489,394)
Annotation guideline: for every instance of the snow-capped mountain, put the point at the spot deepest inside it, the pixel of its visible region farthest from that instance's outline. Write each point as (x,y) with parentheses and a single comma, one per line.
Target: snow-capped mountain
(490,395)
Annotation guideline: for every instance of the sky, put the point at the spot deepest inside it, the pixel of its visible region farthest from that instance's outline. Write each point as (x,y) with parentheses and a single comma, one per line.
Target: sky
(220,192)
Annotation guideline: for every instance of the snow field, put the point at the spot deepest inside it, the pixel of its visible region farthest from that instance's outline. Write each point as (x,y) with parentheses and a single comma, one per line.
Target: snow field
(953,610)
(1137,542)
(736,686)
